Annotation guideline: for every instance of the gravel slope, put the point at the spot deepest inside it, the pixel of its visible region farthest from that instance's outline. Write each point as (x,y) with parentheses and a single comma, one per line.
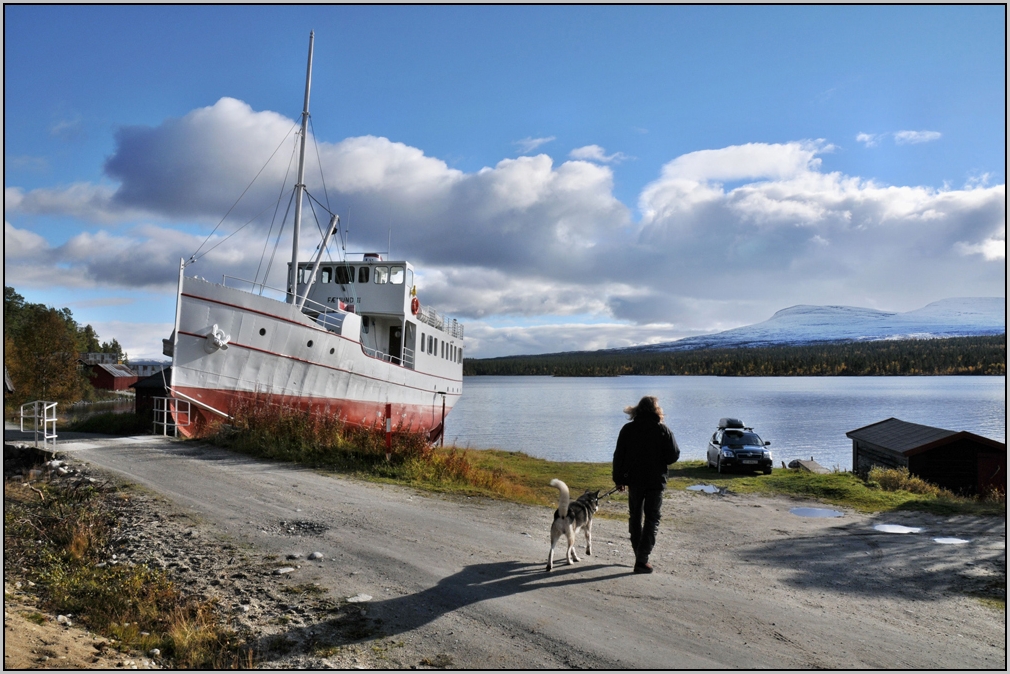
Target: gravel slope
(457,582)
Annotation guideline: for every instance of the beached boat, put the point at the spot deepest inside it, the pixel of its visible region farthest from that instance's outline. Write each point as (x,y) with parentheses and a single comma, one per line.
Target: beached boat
(346,338)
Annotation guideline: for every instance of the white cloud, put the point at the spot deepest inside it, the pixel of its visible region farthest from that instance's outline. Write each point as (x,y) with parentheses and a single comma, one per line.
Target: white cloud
(913,137)
(529,144)
(21,244)
(140,341)
(991,249)
(869,139)
(485,341)
(67,129)
(727,236)
(597,154)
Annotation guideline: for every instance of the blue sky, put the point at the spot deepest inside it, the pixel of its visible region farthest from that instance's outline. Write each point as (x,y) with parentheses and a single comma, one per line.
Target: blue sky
(563,177)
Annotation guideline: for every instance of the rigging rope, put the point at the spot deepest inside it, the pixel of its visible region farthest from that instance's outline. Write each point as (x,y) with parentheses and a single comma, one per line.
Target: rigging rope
(193,257)
(266,241)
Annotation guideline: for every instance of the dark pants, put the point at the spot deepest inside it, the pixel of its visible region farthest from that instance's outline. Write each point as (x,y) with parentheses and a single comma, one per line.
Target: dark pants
(647,503)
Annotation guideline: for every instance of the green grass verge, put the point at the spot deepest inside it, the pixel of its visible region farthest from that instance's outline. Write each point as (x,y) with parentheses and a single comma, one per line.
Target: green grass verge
(844,489)
(269,431)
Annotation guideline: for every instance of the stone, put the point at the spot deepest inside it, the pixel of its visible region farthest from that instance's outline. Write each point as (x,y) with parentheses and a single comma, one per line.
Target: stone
(316,555)
(283,570)
(295,555)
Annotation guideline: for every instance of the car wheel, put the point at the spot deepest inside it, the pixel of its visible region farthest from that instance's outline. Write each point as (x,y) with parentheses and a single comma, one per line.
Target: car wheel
(718,465)
(767,471)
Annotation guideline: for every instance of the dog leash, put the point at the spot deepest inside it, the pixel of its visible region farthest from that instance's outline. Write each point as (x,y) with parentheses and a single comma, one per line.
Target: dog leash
(609,493)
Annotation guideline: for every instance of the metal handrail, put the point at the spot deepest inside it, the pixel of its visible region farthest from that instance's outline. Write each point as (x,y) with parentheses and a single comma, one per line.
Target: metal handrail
(319,308)
(436,320)
(171,412)
(41,422)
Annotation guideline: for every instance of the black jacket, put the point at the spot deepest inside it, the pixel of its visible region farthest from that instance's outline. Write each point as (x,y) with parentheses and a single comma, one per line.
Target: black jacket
(645,448)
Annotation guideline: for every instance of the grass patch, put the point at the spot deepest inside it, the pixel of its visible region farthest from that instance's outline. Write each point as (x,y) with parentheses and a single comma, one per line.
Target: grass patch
(262,429)
(269,431)
(58,540)
(310,589)
(113,423)
(35,617)
(840,488)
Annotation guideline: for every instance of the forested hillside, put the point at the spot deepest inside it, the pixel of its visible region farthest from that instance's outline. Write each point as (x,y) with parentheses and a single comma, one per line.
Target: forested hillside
(953,356)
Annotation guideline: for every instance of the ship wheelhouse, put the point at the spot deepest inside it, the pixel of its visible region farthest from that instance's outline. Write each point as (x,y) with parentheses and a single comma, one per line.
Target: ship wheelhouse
(392,324)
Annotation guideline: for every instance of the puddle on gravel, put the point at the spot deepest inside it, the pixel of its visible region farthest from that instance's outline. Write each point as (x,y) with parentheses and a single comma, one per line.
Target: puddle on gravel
(816,512)
(707,488)
(944,540)
(896,529)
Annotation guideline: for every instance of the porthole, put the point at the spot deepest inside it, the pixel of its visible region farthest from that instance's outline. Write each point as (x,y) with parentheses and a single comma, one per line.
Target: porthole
(263,331)
(331,352)
(310,342)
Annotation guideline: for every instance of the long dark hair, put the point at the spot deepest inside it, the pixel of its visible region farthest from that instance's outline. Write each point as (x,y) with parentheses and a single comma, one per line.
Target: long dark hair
(648,406)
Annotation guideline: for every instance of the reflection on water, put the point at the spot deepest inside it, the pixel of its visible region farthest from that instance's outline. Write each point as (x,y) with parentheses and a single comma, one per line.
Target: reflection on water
(578,418)
(816,512)
(707,488)
(896,529)
(69,414)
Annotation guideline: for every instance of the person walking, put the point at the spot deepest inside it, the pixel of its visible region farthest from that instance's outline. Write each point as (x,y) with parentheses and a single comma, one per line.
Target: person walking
(645,447)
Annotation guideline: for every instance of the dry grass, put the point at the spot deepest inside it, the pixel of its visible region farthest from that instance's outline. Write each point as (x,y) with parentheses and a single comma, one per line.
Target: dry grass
(263,429)
(57,542)
(899,479)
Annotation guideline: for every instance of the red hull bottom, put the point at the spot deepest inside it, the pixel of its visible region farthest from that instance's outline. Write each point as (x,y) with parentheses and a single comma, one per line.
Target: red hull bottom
(210,407)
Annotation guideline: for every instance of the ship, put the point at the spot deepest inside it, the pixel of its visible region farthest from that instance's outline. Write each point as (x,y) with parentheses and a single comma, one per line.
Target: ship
(346,338)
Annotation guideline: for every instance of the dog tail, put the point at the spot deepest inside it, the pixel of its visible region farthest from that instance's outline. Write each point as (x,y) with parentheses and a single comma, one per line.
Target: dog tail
(563,497)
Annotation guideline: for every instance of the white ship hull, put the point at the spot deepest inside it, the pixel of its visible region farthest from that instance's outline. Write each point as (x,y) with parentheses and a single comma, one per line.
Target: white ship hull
(276,353)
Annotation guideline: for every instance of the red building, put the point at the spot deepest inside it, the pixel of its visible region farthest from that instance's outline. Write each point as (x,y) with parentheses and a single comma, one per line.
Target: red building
(111,377)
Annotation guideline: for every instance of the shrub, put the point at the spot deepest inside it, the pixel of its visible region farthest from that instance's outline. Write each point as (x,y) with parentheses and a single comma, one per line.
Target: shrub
(899,479)
(263,429)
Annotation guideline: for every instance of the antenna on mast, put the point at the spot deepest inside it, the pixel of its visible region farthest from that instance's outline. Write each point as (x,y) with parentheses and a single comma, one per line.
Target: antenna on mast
(300,185)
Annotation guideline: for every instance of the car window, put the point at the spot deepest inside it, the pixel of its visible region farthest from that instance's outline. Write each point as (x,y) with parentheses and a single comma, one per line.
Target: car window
(740,438)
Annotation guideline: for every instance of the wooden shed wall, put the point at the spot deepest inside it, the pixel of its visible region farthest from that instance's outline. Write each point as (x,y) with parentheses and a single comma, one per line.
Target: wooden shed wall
(866,456)
(954,466)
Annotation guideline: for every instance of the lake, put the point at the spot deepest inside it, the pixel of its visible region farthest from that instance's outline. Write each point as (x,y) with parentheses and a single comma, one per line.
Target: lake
(578,418)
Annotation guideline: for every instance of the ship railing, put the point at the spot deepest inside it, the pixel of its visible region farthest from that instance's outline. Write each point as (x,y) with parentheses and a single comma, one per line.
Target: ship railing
(380,355)
(42,414)
(408,357)
(171,414)
(436,320)
(311,307)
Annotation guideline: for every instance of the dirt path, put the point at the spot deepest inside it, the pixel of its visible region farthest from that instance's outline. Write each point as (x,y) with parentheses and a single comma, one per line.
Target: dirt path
(740,581)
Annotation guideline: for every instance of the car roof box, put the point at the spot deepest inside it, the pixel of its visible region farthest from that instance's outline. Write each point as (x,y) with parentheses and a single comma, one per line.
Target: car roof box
(729,422)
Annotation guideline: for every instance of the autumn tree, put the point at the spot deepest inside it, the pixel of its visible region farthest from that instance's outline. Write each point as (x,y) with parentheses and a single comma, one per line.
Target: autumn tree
(43,359)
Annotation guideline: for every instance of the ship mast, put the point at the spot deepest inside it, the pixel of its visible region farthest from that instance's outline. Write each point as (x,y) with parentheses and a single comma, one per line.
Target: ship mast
(300,185)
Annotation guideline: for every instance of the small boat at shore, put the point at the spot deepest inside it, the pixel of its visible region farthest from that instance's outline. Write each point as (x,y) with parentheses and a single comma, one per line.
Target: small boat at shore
(346,338)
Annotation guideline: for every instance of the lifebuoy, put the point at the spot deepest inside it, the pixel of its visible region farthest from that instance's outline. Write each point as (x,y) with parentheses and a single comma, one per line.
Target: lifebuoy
(415,306)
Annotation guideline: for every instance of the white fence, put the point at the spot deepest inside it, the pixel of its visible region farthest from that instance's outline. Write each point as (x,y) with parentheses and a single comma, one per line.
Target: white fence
(42,414)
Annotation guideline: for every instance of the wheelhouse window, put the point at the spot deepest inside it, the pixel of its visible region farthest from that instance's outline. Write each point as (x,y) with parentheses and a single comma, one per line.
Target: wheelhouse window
(345,275)
(325,275)
(381,275)
(396,275)
(362,274)
(304,274)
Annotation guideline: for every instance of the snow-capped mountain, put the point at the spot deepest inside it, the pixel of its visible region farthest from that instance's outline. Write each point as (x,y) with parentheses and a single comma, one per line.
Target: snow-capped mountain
(807,324)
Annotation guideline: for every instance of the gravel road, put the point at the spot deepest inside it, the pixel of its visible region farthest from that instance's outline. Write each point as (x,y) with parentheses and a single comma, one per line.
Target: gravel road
(460,582)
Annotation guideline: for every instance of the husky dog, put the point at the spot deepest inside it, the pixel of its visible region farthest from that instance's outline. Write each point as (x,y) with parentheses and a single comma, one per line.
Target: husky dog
(569,518)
